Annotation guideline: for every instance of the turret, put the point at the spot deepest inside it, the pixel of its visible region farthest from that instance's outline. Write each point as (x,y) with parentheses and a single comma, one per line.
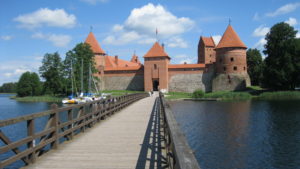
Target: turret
(231,63)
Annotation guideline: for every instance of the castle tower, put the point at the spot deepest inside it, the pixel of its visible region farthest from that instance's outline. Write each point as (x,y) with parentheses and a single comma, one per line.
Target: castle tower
(231,63)
(206,50)
(135,59)
(99,54)
(156,69)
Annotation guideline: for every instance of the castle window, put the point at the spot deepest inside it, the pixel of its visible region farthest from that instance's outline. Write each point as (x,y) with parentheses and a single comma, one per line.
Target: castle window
(224,68)
(155,66)
(231,59)
(244,68)
(209,55)
(234,68)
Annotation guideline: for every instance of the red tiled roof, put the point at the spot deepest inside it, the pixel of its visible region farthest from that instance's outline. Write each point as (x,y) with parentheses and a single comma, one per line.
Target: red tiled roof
(122,68)
(110,64)
(230,39)
(174,66)
(156,51)
(208,41)
(91,40)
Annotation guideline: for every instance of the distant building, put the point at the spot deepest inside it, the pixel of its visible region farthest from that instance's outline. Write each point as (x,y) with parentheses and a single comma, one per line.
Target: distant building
(219,67)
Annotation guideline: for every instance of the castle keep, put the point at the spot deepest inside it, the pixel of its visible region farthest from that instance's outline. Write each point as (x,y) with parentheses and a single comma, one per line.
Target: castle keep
(219,67)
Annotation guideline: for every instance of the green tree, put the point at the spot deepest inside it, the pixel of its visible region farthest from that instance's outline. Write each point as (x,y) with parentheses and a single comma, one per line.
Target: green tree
(8,88)
(52,71)
(280,68)
(29,85)
(255,66)
(82,58)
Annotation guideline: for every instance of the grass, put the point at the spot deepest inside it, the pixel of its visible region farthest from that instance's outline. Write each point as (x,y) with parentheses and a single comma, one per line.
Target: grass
(280,95)
(37,99)
(253,92)
(178,95)
(120,92)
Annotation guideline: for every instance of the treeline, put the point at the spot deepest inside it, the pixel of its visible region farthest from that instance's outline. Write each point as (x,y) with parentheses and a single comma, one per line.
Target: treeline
(58,79)
(280,70)
(8,88)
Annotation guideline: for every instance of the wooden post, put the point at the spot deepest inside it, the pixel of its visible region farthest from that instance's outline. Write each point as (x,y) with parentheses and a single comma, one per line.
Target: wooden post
(54,107)
(70,118)
(31,144)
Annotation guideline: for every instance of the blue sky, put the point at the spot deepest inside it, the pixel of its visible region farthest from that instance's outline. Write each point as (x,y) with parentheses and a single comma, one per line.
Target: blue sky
(31,28)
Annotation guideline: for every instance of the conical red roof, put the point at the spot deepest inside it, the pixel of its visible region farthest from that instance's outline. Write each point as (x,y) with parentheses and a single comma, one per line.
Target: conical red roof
(156,51)
(208,41)
(91,40)
(230,39)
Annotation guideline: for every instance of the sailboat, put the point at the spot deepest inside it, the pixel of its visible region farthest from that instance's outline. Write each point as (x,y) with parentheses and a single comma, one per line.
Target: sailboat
(71,99)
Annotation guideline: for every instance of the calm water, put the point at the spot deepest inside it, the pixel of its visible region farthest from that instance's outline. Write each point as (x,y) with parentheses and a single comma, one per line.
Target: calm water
(242,135)
(10,108)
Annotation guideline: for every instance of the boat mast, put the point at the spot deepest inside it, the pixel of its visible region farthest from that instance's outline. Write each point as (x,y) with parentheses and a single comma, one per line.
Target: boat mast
(81,75)
(90,75)
(72,76)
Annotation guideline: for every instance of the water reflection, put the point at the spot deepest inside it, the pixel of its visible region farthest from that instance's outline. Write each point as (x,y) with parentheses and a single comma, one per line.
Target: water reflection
(246,134)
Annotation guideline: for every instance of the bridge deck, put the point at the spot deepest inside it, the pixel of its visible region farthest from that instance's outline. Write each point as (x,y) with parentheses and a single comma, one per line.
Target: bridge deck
(121,141)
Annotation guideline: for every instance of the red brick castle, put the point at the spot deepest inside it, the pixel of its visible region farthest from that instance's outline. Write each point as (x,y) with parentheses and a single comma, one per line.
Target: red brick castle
(219,67)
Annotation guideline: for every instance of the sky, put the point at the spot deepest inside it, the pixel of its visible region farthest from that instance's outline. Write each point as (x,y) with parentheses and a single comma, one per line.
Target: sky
(30,29)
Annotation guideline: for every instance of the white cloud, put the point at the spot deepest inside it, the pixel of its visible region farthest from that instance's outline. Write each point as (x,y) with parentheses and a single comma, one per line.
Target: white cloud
(10,71)
(180,56)
(260,44)
(143,22)
(291,21)
(256,17)
(175,42)
(217,39)
(261,31)
(188,61)
(298,35)
(47,17)
(57,40)
(94,2)
(6,37)
(284,9)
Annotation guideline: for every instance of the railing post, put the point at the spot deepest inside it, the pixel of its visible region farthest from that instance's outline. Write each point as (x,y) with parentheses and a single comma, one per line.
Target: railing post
(70,118)
(31,144)
(54,145)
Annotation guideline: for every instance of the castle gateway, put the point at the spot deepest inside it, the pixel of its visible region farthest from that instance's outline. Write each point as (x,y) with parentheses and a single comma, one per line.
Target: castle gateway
(219,67)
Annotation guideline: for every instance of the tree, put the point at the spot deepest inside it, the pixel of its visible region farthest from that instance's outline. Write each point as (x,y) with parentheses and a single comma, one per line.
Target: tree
(255,66)
(8,88)
(52,71)
(280,71)
(81,58)
(29,85)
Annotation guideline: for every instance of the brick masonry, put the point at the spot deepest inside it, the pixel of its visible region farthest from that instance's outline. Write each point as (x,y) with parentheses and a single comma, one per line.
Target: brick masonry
(124,83)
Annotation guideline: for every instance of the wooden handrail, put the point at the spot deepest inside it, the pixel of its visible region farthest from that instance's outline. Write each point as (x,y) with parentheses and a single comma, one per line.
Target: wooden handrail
(54,130)
(179,153)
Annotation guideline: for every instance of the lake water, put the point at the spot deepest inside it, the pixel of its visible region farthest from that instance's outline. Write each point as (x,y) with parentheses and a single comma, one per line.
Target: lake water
(9,108)
(242,135)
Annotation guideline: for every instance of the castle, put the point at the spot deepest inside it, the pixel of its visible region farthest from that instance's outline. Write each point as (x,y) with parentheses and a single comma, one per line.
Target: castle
(219,67)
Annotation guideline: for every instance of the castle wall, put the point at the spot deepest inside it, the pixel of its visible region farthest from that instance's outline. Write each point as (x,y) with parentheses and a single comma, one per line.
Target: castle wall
(189,81)
(230,82)
(117,82)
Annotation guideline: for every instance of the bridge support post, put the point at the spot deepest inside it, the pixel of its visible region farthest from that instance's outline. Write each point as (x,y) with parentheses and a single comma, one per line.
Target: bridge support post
(55,143)
(31,144)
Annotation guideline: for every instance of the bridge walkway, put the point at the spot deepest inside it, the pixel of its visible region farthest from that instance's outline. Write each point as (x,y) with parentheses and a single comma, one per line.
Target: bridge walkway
(130,138)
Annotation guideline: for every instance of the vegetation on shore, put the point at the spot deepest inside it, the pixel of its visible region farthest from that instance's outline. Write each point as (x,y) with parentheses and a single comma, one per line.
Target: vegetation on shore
(253,92)
(37,98)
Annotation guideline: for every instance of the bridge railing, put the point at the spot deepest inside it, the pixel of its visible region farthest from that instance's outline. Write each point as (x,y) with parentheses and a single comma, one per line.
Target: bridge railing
(179,153)
(79,118)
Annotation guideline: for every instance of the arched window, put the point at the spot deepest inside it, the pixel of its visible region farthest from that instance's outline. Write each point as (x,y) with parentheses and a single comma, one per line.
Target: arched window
(155,66)
(235,68)
(231,59)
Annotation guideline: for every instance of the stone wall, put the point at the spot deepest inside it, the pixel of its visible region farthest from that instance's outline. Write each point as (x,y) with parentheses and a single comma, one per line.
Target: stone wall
(230,82)
(124,82)
(190,82)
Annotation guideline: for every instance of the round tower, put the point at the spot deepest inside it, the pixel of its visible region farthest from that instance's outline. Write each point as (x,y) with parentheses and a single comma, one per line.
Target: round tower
(231,63)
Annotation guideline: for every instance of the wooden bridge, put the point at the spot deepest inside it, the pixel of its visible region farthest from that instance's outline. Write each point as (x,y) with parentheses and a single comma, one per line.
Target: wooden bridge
(131,131)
